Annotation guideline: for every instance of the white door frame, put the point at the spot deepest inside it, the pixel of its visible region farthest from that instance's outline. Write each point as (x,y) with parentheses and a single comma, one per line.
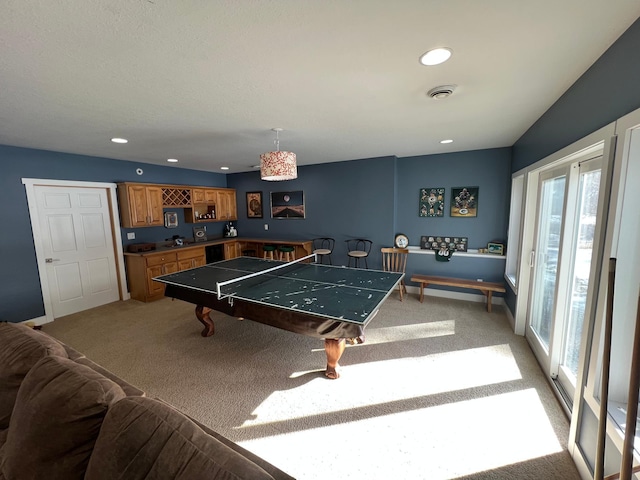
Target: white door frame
(30,184)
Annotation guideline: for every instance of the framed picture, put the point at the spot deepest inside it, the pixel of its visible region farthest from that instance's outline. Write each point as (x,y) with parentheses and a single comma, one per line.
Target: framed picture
(170,219)
(287,204)
(254,204)
(433,242)
(431,202)
(496,248)
(464,202)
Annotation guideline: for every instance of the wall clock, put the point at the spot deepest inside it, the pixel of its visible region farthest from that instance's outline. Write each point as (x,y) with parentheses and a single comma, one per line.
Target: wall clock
(401,241)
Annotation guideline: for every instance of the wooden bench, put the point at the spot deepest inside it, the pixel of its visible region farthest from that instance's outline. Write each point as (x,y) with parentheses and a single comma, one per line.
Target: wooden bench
(487,288)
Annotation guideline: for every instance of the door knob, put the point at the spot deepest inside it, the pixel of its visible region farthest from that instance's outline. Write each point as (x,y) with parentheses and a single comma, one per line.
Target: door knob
(51,260)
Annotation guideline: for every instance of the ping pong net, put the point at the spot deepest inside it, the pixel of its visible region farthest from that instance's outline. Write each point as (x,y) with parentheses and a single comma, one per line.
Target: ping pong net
(230,288)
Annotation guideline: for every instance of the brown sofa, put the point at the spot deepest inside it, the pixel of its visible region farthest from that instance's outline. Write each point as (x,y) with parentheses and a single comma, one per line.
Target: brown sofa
(64,417)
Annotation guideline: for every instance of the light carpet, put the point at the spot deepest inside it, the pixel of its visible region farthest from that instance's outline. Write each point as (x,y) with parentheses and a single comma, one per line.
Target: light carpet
(439,390)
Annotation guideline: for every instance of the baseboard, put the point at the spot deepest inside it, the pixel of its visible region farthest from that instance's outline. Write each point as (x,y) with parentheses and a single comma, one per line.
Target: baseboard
(37,321)
(470,297)
(512,320)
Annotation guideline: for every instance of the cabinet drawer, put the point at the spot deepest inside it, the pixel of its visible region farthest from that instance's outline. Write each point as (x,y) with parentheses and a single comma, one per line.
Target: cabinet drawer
(160,259)
(190,253)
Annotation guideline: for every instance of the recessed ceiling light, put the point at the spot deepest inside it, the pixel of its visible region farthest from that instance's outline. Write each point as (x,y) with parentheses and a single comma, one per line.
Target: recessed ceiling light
(435,56)
(224,168)
(172,160)
(446,141)
(119,140)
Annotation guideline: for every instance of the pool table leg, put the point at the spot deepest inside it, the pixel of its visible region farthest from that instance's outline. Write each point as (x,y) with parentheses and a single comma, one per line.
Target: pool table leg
(333,348)
(202,314)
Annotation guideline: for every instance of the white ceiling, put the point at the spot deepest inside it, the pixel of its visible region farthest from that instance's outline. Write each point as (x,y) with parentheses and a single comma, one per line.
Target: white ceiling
(205,81)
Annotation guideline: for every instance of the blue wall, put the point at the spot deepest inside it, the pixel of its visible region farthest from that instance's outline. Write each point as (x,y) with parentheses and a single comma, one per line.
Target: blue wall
(377,198)
(371,198)
(20,293)
(608,90)
(487,169)
(342,200)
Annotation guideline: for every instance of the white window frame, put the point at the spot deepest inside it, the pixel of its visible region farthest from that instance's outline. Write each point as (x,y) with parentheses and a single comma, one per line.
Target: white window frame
(514,233)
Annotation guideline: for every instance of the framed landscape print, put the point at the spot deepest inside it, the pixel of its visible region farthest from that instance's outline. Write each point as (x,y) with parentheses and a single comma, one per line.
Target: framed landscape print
(287,204)
(464,202)
(254,204)
(431,202)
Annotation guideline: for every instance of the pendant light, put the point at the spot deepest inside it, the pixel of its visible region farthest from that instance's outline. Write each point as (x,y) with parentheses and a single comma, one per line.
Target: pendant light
(277,166)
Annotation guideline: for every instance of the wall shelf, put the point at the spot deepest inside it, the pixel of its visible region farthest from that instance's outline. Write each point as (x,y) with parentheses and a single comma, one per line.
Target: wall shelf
(470,253)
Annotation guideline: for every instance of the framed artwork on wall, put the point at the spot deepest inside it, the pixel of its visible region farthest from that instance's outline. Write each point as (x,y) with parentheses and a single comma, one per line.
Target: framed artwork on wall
(254,204)
(464,202)
(287,204)
(433,242)
(431,202)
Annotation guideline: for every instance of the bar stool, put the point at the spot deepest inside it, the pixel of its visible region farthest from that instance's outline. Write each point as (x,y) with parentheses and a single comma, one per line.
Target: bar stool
(358,248)
(287,253)
(323,247)
(268,251)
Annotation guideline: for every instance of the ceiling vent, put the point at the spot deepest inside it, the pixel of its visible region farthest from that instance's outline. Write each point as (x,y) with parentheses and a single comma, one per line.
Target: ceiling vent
(443,91)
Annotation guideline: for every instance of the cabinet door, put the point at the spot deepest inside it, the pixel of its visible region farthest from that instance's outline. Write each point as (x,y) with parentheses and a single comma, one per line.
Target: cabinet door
(138,207)
(154,199)
(197,195)
(154,288)
(171,267)
(233,210)
(199,261)
(145,205)
(185,264)
(226,203)
(230,250)
(210,196)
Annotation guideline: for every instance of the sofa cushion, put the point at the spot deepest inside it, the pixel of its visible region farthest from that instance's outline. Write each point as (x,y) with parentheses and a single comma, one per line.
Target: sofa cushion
(20,348)
(129,389)
(143,438)
(56,420)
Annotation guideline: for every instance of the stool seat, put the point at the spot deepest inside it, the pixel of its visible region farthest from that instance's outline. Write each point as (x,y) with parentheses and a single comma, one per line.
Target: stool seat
(358,249)
(323,247)
(268,251)
(287,252)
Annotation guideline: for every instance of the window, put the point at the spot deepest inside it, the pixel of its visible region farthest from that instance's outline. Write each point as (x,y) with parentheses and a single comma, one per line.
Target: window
(515,227)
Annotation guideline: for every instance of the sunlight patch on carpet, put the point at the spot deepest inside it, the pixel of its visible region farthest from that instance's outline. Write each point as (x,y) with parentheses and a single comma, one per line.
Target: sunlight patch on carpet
(440,442)
(381,382)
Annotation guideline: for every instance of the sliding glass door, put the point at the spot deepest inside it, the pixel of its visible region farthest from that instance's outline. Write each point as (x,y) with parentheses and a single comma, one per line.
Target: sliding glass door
(567,202)
(581,251)
(545,258)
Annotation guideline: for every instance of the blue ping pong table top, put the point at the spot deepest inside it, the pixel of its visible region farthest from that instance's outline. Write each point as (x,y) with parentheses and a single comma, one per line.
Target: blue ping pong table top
(340,293)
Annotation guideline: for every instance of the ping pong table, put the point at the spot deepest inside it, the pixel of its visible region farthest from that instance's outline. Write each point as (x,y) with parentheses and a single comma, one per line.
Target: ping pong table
(329,302)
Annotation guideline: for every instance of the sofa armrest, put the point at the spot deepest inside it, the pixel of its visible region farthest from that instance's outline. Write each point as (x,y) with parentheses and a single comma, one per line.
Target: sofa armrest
(275,472)
(144,438)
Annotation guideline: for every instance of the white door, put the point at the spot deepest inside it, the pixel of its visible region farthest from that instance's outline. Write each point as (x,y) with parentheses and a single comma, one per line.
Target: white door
(77,242)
